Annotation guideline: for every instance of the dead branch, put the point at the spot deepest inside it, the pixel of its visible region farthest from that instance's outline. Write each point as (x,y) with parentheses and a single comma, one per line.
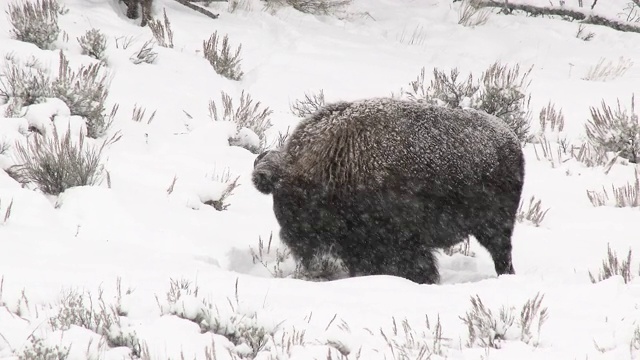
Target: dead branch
(198,9)
(578,15)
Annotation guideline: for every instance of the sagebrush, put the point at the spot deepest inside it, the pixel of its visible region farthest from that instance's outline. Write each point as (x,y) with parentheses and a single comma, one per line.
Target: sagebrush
(24,82)
(35,21)
(314,7)
(93,43)
(248,114)
(85,92)
(56,163)
(220,58)
(500,91)
(616,130)
(612,266)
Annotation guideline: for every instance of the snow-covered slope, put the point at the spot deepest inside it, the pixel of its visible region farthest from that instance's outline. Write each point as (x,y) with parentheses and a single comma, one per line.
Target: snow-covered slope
(134,231)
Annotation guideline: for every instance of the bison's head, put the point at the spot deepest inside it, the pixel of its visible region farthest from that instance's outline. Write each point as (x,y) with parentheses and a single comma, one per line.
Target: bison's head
(267,170)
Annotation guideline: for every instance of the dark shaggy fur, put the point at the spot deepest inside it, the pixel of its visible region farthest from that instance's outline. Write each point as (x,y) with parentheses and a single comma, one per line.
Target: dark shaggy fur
(381,183)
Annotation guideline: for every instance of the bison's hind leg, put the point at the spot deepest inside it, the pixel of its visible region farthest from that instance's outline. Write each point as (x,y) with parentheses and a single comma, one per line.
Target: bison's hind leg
(494,234)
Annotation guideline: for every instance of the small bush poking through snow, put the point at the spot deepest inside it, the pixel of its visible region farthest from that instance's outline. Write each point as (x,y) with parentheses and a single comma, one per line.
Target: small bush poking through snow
(612,266)
(138,115)
(36,349)
(608,71)
(463,248)
(488,331)
(103,320)
(270,261)
(309,105)
(24,83)
(221,59)
(532,312)
(615,130)
(55,164)
(225,178)
(314,7)
(93,43)
(470,14)
(409,344)
(145,54)
(635,340)
(500,91)
(554,156)
(534,213)
(85,92)
(35,21)
(484,329)
(552,118)
(592,156)
(625,196)
(241,329)
(247,115)
(584,35)
(162,31)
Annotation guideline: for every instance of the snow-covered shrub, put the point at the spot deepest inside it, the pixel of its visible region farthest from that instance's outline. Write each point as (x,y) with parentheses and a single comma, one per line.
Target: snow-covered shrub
(470,14)
(624,196)
(314,7)
(612,266)
(322,267)
(555,156)
(592,156)
(408,343)
(24,83)
(487,330)
(270,259)
(615,130)
(35,21)
(77,309)
(500,91)
(93,43)
(532,313)
(533,213)
(483,327)
(463,248)
(241,328)
(145,54)
(162,31)
(85,92)
(608,71)
(584,35)
(417,37)
(247,115)
(55,164)
(37,349)
(138,114)
(235,5)
(220,203)
(551,119)
(308,105)
(635,340)
(220,57)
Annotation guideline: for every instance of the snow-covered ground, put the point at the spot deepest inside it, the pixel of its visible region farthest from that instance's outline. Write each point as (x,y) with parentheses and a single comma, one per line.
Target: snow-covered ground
(133,231)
